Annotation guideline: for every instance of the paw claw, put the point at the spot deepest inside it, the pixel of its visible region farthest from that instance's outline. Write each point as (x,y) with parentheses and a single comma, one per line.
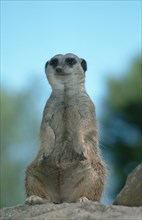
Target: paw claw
(44,157)
(81,156)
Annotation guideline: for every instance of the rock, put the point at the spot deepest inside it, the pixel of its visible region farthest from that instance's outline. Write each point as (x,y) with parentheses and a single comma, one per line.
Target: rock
(131,194)
(71,211)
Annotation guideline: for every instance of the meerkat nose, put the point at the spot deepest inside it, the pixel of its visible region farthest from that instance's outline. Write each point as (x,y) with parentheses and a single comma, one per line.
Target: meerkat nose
(58,69)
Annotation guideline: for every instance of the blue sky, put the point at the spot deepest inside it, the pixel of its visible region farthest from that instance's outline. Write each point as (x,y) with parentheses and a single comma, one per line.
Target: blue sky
(105,33)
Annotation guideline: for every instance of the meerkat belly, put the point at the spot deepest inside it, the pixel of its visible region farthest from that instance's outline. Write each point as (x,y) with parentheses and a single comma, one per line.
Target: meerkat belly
(64,122)
(74,179)
(68,181)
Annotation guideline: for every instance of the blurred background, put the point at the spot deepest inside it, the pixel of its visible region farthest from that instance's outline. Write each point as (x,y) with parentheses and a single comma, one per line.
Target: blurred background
(107,34)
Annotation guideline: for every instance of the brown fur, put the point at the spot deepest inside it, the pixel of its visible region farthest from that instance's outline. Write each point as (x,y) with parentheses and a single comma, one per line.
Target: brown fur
(68,167)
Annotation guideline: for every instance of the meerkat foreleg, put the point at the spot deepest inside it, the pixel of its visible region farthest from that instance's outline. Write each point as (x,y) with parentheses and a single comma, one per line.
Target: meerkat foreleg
(85,142)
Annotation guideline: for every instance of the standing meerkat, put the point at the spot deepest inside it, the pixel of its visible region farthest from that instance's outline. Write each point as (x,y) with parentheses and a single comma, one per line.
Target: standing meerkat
(68,167)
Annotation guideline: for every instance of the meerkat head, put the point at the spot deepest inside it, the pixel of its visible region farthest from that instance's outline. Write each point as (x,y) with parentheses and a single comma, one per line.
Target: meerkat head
(65,70)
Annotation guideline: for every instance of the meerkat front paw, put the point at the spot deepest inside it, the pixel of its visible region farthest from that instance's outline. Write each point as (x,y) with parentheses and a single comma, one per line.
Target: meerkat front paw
(34,200)
(83,199)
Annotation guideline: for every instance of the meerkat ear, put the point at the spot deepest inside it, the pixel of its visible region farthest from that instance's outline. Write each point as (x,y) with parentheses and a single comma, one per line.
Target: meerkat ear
(84,64)
(46,65)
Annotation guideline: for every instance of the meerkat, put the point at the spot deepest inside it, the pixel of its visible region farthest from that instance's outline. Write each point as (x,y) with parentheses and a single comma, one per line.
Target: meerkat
(68,166)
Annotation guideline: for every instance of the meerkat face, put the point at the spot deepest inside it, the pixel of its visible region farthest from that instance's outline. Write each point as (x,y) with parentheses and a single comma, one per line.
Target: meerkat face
(65,70)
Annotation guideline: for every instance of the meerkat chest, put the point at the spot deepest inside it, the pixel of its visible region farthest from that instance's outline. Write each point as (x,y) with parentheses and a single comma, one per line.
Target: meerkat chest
(66,114)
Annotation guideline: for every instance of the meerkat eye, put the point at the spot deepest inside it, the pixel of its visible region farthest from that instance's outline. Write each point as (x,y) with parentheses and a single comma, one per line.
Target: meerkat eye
(70,61)
(54,62)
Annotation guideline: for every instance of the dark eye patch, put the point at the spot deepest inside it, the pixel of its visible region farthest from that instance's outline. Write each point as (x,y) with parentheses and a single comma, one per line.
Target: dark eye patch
(70,61)
(54,62)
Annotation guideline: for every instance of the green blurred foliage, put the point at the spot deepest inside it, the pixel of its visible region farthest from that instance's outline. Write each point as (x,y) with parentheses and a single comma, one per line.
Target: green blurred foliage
(122,125)
(19,127)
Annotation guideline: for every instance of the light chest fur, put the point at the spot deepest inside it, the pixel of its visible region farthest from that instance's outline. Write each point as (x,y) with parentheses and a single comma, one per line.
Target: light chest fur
(66,112)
